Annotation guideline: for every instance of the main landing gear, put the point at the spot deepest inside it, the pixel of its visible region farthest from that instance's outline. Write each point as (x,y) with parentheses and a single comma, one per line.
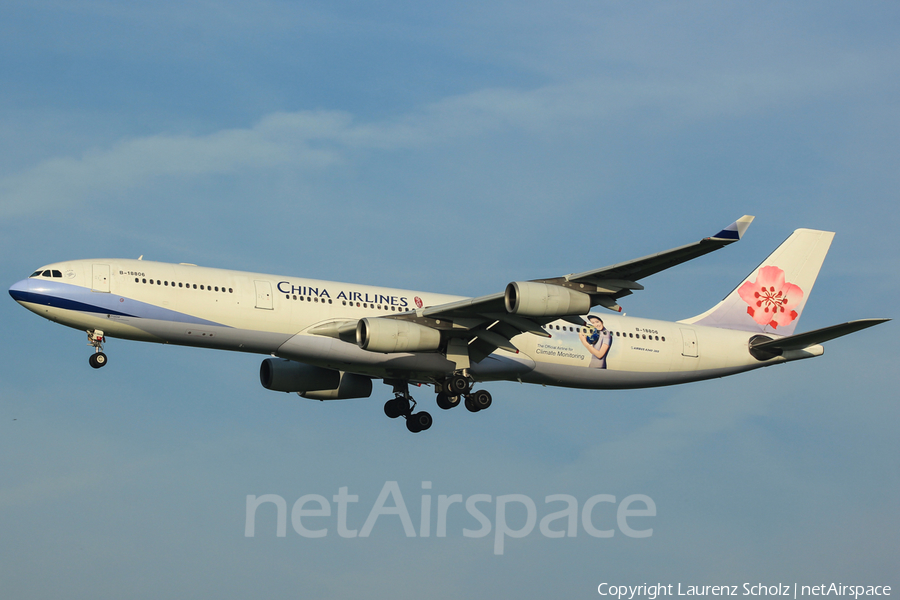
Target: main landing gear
(96,339)
(450,391)
(458,386)
(403,405)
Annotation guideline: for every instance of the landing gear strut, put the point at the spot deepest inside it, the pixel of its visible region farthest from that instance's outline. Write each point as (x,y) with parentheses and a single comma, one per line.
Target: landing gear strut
(403,404)
(96,339)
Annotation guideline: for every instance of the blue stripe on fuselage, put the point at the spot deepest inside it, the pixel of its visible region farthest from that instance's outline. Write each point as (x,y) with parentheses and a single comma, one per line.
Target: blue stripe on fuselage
(78,298)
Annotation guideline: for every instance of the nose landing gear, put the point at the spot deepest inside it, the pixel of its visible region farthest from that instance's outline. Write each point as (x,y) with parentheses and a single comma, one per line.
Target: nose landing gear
(96,339)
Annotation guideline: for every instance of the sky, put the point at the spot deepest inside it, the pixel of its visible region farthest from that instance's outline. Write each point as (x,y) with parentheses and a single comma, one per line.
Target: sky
(448,147)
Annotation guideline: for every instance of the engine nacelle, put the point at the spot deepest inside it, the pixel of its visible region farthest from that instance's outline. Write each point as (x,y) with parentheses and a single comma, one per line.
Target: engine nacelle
(351,386)
(532,299)
(281,375)
(393,335)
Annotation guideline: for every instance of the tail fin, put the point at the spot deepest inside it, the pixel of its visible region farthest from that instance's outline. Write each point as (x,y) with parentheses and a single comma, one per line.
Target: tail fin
(772,297)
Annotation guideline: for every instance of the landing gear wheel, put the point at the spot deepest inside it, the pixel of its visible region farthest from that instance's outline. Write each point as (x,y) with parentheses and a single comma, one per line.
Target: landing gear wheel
(97,360)
(481,399)
(396,407)
(390,409)
(418,422)
(470,404)
(456,385)
(447,402)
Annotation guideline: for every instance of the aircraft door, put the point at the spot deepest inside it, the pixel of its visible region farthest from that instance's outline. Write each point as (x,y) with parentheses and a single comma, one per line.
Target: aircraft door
(100,278)
(689,339)
(263,294)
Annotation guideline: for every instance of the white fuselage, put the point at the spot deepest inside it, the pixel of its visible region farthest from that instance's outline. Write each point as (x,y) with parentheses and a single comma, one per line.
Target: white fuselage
(273,315)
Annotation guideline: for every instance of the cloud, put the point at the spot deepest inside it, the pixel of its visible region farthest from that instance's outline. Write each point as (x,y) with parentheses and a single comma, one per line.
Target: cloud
(320,140)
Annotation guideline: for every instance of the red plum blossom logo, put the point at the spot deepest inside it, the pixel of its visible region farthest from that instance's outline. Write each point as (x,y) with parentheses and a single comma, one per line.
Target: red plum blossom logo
(770,299)
(418,302)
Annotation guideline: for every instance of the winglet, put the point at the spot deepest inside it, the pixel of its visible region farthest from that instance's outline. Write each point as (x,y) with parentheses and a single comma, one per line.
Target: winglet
(736,230)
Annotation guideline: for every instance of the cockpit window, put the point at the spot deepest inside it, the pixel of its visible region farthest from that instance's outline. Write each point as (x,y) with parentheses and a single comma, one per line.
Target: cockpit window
(47,273)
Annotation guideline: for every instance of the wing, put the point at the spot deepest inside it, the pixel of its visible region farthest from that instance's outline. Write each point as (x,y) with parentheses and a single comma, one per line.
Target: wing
(487,323)
(490,322)
(608,284)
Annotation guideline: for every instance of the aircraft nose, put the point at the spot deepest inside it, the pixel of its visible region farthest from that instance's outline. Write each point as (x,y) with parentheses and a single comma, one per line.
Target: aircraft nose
(20,290)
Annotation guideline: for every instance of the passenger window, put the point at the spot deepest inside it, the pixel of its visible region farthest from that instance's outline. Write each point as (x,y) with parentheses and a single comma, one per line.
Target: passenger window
(217,288)
(195,286)
(230,291)
(201,286)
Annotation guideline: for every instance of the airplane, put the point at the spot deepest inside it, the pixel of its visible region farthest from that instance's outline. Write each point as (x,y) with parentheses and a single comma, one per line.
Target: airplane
(329,340)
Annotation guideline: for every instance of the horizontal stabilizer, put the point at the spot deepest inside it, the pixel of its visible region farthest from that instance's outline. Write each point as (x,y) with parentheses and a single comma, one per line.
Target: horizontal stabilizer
(810,338)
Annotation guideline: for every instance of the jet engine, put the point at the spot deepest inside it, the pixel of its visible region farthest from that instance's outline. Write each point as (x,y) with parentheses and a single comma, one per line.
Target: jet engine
(281,375)
(393,335)
(532,299)
(351,386)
